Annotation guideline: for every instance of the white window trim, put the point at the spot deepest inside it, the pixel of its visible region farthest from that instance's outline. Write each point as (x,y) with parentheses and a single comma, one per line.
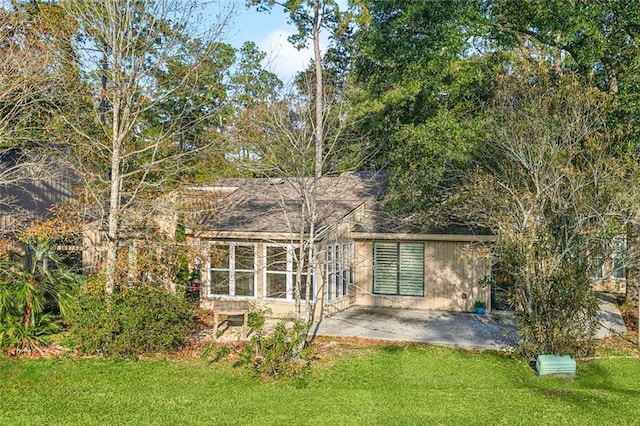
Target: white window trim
(607,266)
(345,264)
(623,241)
(290,273)
(231,270)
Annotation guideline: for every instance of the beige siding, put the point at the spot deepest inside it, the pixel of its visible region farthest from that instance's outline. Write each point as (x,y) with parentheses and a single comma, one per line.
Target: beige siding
(453,270)
(92,249)
(611,285)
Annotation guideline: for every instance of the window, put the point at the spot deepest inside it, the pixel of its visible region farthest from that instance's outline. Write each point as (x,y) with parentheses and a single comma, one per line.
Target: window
(232,269)
(618,256)
(610,261)
(398,269)
(338,269)
(281,265)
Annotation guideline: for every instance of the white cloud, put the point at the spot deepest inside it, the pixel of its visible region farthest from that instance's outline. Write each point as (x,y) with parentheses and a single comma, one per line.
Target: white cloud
(282,57)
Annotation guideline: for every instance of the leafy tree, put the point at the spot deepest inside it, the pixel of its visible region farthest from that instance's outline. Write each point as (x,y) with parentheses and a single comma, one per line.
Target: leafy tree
(597,40)
(33,38)
(421,80)
(594,39)
(198,100)
(252,92)
(33,79)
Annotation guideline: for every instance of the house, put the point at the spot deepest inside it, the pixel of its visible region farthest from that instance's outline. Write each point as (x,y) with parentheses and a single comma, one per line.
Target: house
(249,248)
(29,187)
(608,266)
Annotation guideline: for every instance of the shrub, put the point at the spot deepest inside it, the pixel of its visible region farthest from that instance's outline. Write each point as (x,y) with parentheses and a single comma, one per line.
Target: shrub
(17,338)
(280,353)
(129,322)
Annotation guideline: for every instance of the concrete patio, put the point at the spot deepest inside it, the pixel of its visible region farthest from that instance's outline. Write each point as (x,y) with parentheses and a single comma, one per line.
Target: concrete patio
(465,330)
(496,330)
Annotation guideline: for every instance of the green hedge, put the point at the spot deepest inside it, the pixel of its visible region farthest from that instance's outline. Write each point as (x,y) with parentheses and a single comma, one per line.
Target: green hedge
(129,322)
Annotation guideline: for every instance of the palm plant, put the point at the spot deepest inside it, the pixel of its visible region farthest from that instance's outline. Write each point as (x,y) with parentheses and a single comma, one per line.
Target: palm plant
(32,292)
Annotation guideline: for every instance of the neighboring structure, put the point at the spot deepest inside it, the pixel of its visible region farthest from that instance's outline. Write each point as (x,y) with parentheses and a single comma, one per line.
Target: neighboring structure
(29,187)
(609,271)
(363,257)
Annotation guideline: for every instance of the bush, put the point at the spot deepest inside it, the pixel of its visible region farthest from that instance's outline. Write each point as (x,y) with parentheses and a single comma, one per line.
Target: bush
(280,353)
(129,322)
(557,312)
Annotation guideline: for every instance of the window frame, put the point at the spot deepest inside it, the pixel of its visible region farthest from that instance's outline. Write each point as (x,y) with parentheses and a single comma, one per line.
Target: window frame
(398,268)
(607,267)
(289,273)
(231,269)
(618,254)
(338,270)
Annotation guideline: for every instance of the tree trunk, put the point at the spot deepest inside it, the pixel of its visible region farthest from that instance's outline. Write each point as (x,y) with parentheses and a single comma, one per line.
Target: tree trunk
(114,203)
(319,136)
(308,296)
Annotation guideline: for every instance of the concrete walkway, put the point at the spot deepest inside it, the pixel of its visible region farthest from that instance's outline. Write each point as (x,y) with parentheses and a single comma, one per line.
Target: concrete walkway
(496,330)
(611,322)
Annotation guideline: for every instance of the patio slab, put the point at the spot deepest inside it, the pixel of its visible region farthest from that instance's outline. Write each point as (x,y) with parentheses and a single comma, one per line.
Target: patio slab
(464,330)
(495,330)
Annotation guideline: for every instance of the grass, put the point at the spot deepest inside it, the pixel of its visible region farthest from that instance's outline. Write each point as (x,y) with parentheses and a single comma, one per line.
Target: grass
(404,384)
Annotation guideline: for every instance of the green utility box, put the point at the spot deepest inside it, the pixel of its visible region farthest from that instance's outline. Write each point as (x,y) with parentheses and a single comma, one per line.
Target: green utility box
(556,364)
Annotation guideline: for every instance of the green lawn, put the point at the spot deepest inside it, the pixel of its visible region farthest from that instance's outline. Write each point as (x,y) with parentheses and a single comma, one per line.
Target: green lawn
(386,385)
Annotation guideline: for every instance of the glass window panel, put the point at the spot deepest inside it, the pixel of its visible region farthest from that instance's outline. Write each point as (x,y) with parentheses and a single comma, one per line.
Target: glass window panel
(277,285)
(618,255)
(398,269)
(244,258)
(411,269)
(304,262)
(244,283)
(597,267)
(345,281)
(304,287)
(276,259)
(385,268)
(220,282)
(219,256)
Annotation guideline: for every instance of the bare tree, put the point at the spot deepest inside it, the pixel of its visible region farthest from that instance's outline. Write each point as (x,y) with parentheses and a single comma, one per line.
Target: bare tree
(312,206)
(132,152)
(549,183)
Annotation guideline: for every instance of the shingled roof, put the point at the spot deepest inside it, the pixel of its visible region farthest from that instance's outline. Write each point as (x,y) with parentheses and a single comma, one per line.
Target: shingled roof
(274,205)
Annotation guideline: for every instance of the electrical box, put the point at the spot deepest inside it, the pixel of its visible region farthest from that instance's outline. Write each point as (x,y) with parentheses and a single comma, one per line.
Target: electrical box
(556,364)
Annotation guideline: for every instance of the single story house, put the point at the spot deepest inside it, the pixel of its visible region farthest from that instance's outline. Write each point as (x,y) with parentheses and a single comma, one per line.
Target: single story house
(249,248)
